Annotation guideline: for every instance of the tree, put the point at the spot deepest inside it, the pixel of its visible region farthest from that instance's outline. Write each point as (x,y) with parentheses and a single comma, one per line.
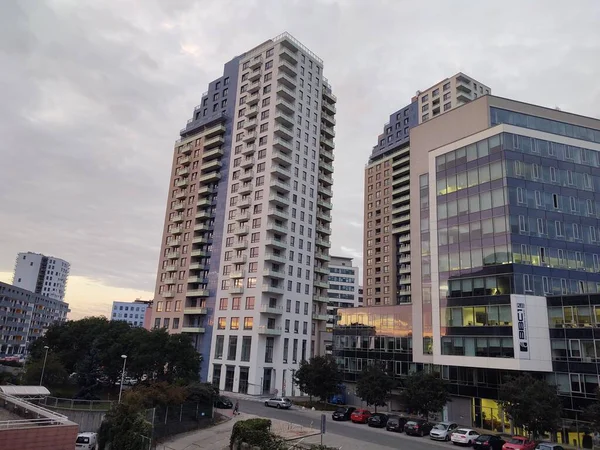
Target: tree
(592,412)
(319,377)
(125,427)
(424,393)
(54,372)
(374,386)
(532,404)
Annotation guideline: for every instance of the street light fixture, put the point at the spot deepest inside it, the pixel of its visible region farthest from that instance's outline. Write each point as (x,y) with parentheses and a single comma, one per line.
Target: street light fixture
(44,366)
(122,376)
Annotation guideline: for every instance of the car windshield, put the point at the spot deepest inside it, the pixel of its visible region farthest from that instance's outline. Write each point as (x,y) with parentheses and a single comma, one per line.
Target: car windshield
(341,410)
(411,422)
(286,400)
(519,441)
(439,426)
(83,440)
(461,431)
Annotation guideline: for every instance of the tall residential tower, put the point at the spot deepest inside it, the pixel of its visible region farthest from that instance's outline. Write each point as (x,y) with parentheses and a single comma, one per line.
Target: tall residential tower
(44,275)
(244,258)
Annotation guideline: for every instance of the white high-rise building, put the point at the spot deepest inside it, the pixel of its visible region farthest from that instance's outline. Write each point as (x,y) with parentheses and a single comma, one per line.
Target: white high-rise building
(244,260)
(44,275)
(343,287)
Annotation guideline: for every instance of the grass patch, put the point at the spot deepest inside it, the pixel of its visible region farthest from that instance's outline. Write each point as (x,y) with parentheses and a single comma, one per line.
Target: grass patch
(320,406)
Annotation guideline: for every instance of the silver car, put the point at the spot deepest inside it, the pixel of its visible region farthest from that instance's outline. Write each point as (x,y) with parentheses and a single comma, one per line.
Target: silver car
(279,403)
(442,431)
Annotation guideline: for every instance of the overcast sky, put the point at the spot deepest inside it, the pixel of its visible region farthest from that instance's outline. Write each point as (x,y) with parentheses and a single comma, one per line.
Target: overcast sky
(93,93)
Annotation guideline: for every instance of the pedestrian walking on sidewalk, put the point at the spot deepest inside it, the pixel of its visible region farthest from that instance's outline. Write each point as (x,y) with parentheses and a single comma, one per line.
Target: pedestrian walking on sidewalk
(236,408)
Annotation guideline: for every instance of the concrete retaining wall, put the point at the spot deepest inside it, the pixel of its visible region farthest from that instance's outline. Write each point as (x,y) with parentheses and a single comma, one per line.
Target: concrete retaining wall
(87,420)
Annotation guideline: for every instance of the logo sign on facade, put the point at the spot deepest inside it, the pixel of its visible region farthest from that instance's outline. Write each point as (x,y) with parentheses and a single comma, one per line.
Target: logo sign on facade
(521,325)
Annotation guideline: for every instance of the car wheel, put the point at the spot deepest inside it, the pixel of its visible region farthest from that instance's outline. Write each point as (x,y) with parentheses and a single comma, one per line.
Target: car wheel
(278,406)
(422,433)
(447,438)
(454,443)
(266,403)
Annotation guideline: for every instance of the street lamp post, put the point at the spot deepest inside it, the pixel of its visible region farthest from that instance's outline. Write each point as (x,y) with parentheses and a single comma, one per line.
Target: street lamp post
(44,366)
(122,376)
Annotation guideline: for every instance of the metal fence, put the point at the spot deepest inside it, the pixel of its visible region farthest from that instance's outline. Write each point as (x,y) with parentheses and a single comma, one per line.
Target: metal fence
(31,414)
(170,420)
(71,403)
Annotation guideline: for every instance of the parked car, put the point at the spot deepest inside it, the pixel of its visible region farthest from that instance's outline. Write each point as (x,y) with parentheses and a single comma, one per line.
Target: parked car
(442,431)
(360,416)
(396,423)
(489,442)
(377,420)
(417,427)
(549,446)
(86,441)
(279,403)
(464,436)
(343,413)
(223,403)
(519,443)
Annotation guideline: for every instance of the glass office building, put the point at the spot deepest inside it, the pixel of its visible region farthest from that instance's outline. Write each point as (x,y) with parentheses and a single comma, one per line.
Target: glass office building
(508,225)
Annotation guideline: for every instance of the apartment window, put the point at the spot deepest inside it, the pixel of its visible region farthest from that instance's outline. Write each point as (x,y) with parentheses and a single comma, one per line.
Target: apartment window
(248,323)
(234,324)
(223,303)
(425,117)
(232,350)
(246,348)
(221,323)
(249,303)
(447,106)
(235,303)
(220,341)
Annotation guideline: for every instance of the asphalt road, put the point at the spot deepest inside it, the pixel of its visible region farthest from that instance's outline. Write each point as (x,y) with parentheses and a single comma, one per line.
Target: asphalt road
(357,432)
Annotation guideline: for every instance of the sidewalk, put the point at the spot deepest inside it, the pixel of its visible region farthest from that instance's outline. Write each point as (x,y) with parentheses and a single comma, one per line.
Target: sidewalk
(217,437)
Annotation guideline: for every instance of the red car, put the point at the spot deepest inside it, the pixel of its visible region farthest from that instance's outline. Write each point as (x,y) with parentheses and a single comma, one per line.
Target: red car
(360,416)
(519,443)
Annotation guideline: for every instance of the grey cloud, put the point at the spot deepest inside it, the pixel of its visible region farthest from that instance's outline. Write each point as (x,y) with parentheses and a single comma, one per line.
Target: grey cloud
(93,94)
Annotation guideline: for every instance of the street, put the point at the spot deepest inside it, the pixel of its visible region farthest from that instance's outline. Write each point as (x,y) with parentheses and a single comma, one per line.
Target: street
(349,430)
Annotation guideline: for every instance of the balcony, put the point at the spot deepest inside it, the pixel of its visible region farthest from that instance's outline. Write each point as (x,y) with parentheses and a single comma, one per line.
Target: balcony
(284,118)
(182,183)
(195,311)
(250,136)
(203,215)
(198,266)
(329,108)
(195,279)
(321,215)
(281,228)
(263,329)
(322,243)
(278,243)
(204,202)
(287,67)
(213,142)
(242,216)
(324,203)
(197,293)
(234,290)
(250,124)
(249,150)
(287,134)
(284,106)
(322,284)
(192,330)
(201,253)
(322,270)
(403,238)
(325,191)
(283,145)
(285,79)
(328,95)
(404,268)
(324,230)
(280,200)
(184,172)
(201,227)
(247,175)
(285,92)
(240,245)
(170,280)
(247,163)
(237,274)
(322,256)
(180,194)
(244,203)
(266,309)
(325,179)
(288,56)
(316,316)
(187,149)
(177,230)
(168,294)
(207,166)
(273,289)
(251,112)
(320,299)
(328,132)
(241,231)
(327,168)
(253,100)
(254,75)
(245,188)
(206,190)
(255,63)
(171,267)
(327,143)
(254,87)
(278,258)
(464,98)
(214,131)
(178,218)
(280,185)
(212,154)
(174,255)
(211,177)
(329,120)
(278,274)
(238,259)
(279,170)
(281,213)
(174,243)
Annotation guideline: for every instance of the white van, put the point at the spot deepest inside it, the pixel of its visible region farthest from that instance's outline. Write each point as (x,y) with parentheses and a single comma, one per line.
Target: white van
(87,441)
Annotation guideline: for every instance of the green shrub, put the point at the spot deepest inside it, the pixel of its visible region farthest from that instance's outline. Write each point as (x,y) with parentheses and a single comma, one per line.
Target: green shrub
(253,432)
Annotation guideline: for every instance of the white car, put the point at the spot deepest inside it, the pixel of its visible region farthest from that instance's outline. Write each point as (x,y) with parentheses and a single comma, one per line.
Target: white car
(464,436)
(442,431)
(279,402)
(87,441)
